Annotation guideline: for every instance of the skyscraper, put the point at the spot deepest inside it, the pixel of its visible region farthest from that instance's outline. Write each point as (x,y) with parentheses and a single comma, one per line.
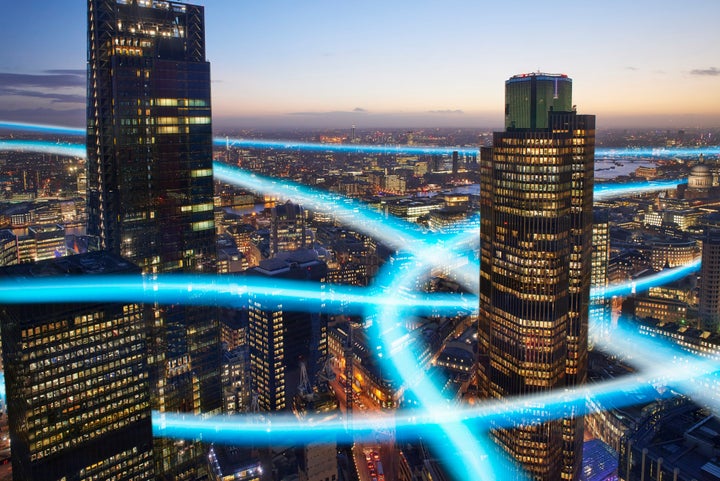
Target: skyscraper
(150,185)
(77,380)
(280,339)
(536,230)
(599,311)
(709,308)
(149,136)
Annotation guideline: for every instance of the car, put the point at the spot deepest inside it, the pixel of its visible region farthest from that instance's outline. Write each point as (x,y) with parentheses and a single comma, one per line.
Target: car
(376,456)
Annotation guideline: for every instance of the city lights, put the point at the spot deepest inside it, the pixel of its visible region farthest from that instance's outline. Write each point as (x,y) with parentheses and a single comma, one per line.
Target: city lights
(384,309)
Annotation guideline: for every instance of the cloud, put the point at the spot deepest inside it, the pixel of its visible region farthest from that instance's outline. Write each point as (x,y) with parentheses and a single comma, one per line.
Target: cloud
(49,80)
(356,110)
(73,117)
(712,72)
(69,71)
(53,89)
(634,69)
(53,96)
(446,112)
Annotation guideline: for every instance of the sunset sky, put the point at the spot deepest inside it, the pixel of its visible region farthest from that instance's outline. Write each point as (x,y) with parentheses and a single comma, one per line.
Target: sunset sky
(418,63)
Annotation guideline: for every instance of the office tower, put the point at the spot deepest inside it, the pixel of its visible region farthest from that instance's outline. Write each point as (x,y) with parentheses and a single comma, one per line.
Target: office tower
(150,186)
(77,379)
(149,137)
(279,339)
(709,308)
(288,228)
(535,237)
(600,315)
(529,98)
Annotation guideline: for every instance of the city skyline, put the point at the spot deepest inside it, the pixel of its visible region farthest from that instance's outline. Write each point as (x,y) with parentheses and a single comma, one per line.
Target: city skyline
(410,65)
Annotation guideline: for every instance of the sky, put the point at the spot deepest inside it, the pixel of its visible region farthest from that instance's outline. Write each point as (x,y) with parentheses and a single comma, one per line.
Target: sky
(398,63)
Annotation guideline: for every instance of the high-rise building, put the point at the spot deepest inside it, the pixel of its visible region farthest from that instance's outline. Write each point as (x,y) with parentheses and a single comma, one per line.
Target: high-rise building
(709,309)
(150,186)
(280,340)
(149,136)
(529,98)
(535,237)
(289,231)
(600,313)
(77,380)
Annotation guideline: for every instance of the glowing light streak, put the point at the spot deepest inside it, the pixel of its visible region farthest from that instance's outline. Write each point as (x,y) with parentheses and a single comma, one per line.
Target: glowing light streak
(345,148)
(42,128)
(226,291)
(642,284)
(609,191)
(675,368)
(393,232)
(600,152)
(463,427)
(44,147)
(480,458)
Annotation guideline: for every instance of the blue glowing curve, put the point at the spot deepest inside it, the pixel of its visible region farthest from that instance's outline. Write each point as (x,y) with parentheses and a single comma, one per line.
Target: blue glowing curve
(397,353)
(44,147)
(400,360)
(226,291)
(667,366)
(42,128)
(393,232)
(600,152)
(606,191)
(642,284)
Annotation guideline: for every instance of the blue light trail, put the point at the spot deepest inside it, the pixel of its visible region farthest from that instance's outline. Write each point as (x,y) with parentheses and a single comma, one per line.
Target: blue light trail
(226,291)
(385,306)
(42,128)
(400,358)
(43,147)
(607,191)
(642,284)
(675,368)
(600,152)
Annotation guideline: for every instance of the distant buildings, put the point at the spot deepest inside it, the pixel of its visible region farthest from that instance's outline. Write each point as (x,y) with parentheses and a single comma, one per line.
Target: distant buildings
(535,241)
(288,228)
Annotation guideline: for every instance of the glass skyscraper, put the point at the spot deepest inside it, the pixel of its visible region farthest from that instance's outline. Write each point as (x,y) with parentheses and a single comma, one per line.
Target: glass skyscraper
(77,379)
(150,187)
(535,238)
(529,97)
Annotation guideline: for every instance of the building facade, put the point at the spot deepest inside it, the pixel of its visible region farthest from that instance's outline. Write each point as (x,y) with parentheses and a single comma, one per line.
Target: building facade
(77,380)
(709,309)
(600,313)
(150,186)
(280,339)
(535,237)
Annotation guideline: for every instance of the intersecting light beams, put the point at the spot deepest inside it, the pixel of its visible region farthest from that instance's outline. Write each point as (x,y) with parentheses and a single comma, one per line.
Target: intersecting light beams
(465,428)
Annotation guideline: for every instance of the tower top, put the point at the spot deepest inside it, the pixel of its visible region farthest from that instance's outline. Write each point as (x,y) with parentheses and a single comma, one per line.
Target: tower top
(529,97)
